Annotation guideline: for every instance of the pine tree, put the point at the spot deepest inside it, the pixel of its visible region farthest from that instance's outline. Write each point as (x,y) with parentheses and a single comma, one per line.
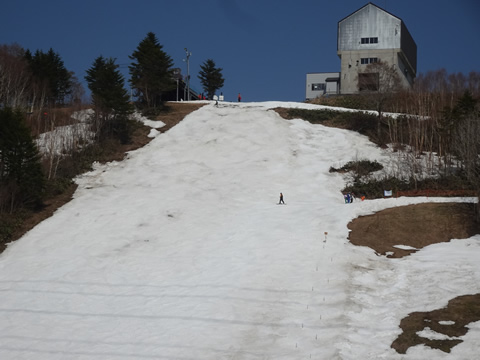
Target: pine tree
(49,73)
(151,72)
(211,77)
(21,178)
(110,99)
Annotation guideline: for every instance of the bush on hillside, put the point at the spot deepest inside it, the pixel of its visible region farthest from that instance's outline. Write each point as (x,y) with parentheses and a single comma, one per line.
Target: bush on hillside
(359,121)
(357,102)
(374,189)
(359,168)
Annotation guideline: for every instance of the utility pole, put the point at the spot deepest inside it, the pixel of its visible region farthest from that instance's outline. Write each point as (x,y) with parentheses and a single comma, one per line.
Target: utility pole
(188,72)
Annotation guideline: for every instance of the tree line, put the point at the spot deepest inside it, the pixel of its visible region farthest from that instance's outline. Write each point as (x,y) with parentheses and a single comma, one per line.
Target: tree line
(38,94)
(36,88)
(446,124)
(440,129)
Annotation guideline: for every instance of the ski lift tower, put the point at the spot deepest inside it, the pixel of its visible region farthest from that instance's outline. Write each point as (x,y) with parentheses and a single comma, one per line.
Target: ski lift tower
(188,72)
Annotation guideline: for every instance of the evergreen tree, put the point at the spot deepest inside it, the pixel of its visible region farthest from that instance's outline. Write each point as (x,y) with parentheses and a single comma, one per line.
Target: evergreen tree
(110,99)
(151,73)
(211,77)
(21,178)
(49,73)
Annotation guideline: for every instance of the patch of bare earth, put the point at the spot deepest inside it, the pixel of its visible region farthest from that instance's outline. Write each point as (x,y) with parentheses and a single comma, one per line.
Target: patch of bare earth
(450,321)
(414,225)
(174,113)
(419,226)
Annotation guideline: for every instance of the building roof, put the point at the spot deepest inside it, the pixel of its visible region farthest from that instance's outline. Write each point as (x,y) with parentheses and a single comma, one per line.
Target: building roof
(364,6)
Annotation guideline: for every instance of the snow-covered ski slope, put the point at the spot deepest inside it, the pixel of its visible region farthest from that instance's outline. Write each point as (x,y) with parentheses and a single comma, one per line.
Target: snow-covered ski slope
(180,252)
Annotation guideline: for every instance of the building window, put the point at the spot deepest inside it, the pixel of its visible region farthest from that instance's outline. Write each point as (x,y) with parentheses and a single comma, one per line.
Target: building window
(368,82)
(369,40)
(319,87)
(365,61)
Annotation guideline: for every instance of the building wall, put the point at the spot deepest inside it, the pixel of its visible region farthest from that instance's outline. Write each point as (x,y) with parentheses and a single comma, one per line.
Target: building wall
(372,33)
(368,34)
(369,22)
(317,84)
(351,66)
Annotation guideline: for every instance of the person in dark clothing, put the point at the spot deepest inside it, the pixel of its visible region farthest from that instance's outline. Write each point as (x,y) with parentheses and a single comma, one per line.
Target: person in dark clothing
(239,97)
(281,199)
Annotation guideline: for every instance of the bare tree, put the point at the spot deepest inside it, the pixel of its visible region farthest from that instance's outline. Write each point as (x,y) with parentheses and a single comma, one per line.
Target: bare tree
(379,82)
(473,83)
(14,76)
(466,139)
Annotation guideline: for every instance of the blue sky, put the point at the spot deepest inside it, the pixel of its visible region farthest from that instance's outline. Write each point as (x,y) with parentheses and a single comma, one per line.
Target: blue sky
(265,47)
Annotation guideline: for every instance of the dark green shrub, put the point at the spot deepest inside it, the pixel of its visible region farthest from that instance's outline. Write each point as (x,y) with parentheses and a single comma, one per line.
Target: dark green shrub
(21,178)
(360,168)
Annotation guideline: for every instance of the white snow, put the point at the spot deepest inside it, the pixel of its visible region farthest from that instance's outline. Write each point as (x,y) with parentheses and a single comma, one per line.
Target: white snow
(404,247)
(446,322)
(63,139)
(180,252)
(154,124)
(433,335)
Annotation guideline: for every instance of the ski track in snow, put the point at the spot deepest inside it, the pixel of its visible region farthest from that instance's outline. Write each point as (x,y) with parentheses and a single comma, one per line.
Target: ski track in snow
(180,252)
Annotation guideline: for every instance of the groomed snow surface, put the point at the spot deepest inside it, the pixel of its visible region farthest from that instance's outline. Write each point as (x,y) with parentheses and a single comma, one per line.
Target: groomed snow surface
(181,252)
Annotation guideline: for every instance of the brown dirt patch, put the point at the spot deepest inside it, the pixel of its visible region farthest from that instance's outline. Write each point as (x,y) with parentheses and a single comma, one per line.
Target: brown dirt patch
(414,225)
(283,112)
(419,226)
(175,113)
(286,113)
(460,312)
(27,220)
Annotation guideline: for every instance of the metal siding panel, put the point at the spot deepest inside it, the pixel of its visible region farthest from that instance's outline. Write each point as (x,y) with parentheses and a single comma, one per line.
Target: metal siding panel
(369,21)
(317,78)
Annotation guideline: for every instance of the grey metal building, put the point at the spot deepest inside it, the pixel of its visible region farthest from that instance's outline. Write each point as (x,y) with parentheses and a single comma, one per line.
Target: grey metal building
(319,84)
(372,34)
(368,35)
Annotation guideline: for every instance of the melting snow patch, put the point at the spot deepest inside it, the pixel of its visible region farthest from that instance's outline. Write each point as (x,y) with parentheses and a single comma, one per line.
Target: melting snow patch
(404,247)
(446,322)
(64,139)
(147,122)
(433,335)
(153,133)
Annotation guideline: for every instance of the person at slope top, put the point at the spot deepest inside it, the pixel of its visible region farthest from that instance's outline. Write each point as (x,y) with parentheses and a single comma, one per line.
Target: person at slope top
(281,199)
(239,97)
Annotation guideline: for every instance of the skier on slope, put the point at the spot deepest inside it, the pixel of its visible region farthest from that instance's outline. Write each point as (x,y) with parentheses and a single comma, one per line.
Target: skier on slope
(281,200)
